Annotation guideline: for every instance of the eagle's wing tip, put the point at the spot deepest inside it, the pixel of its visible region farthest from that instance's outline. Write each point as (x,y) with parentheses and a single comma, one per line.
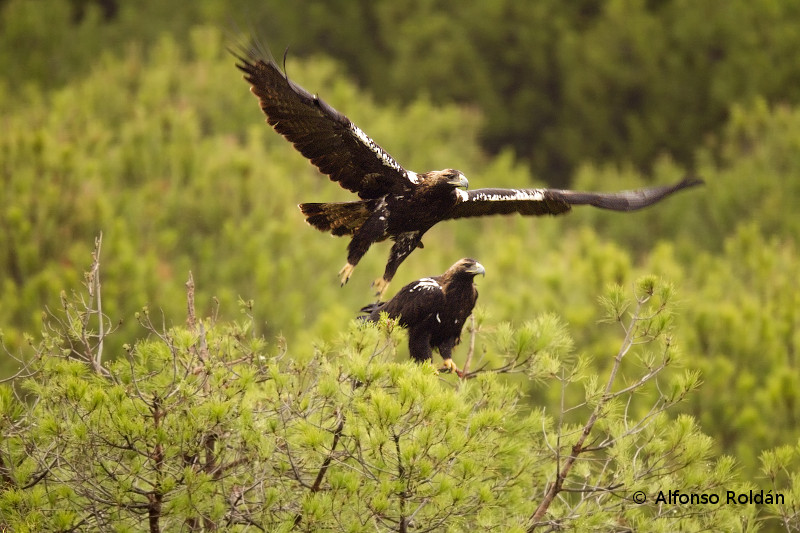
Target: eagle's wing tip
(691,181)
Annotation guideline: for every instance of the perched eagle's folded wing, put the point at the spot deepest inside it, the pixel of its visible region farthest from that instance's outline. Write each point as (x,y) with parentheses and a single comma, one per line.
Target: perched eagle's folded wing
(414,303)
(535,202)
(323,135)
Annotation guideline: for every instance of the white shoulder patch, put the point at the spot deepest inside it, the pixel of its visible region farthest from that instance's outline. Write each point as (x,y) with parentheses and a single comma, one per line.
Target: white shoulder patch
(534,195)
(425,284)
(462,194)
(412,177)
(537,195)
(385,158)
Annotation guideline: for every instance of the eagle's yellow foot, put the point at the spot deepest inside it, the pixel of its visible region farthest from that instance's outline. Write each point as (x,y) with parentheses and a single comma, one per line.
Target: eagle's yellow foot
(380,285)
(346,272)
(450,366)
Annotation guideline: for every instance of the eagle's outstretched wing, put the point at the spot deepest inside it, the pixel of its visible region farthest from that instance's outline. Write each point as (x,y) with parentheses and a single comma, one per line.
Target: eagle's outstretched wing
(482,202)
(323,135)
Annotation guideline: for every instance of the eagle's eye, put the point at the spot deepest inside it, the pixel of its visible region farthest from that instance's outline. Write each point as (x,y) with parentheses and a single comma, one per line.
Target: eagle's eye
(455,178)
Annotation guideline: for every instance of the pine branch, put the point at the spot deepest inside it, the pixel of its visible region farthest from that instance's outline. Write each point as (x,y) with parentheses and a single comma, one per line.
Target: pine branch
(337,434)
(557,486)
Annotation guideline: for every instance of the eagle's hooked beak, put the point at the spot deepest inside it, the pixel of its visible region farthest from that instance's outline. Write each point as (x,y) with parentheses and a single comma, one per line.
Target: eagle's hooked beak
(476,269)
(460,180)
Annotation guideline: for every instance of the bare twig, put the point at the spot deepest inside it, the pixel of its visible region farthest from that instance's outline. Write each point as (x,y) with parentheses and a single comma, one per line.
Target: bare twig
(471,350)
(191,318)
(94,286)
(201,349)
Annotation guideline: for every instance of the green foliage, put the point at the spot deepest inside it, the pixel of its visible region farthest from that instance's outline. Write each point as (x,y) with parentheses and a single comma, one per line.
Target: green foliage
(209,426)
(780,466)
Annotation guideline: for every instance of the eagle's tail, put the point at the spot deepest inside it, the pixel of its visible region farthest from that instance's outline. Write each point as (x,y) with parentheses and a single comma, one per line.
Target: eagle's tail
(339,218)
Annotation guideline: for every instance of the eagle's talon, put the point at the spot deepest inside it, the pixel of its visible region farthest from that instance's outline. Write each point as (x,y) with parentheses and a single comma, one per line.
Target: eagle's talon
(450,366)
(380,285)
(345,273)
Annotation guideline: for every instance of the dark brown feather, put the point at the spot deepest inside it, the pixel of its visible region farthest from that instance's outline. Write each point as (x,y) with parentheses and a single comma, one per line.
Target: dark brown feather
(339,218)
(323,135)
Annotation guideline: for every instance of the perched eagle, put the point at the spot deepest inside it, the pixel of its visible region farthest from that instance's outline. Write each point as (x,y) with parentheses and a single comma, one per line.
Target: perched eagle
(433,310)
(395,203)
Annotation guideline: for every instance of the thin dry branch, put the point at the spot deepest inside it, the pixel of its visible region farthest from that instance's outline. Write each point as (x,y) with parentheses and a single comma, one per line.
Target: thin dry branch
(94,291)
(471,350)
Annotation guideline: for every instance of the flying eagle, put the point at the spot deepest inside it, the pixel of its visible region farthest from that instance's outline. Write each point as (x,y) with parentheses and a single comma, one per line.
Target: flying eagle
(395,203)
(433,310)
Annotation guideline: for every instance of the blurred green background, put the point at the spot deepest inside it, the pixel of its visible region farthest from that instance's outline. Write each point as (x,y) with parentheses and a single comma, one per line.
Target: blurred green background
(130,119)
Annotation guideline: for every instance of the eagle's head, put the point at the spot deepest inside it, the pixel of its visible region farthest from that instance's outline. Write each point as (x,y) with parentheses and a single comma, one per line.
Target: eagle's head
(449,178)
(466,266)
